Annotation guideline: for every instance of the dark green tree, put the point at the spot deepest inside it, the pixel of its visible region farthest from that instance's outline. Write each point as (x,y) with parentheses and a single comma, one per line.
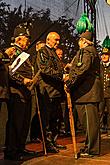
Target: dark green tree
(42,25)
(69,44)
(9,19)
(4,10)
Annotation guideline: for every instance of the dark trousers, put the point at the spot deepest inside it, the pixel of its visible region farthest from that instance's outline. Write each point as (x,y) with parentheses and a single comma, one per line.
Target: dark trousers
(49,116)
(35,130)
(89,119)
(104,111)
(17,127)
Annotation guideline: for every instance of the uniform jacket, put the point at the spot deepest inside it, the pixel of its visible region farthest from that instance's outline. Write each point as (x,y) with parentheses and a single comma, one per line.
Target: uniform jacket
(16,80)
(4,88)
(51,72)
(105,79)
(84,76)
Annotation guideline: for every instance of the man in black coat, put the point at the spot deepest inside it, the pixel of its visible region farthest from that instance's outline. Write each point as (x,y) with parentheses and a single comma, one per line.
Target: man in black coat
(4,87)
(105,79)
(84,82)
(19,105)
(50,85)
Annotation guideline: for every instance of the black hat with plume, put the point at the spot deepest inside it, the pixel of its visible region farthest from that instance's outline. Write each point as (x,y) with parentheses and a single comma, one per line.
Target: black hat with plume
(106,45)
(22,30)
(84,24)
(84,27)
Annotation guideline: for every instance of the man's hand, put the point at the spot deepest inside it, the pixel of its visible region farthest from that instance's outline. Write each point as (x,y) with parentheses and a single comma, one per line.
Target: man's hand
(66,89)
(65,77)
(27,81)
(67,67)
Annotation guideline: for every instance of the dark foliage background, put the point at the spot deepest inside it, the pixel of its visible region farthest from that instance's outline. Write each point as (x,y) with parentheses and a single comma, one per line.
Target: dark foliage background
(41,25)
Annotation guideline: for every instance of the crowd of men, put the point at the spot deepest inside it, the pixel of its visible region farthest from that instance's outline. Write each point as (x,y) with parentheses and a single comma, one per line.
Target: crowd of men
(83,81)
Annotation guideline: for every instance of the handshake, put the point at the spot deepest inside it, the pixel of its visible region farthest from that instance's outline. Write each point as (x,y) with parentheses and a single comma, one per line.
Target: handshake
(66,72)
(67,67)
(65,79)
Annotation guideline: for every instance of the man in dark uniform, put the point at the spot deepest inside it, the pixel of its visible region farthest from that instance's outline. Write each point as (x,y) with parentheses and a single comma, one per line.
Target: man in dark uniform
(4,88)
(50,85)
(62,107)
(4,95)
(35,130)
(19,106)
(105,79)
(85,87)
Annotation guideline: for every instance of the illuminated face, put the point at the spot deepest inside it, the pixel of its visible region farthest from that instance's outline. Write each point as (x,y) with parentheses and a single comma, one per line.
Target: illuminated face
(53,40)
(23,42)
(81,42)
(39,46)
(105,58)
(59,53)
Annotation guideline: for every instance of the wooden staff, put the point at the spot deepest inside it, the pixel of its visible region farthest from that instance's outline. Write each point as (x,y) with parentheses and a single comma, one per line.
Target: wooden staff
(42,132)
(34,80)
(71,120)
(32,86)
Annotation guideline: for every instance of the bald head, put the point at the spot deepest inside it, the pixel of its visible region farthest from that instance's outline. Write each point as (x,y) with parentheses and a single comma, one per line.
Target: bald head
(53,40)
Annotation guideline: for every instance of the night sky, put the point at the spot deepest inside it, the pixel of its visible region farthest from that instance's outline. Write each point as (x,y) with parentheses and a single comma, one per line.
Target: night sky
(102,12)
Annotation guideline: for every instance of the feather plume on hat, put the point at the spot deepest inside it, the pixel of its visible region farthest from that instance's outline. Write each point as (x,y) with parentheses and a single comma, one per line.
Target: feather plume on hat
(84,24)
(106,45)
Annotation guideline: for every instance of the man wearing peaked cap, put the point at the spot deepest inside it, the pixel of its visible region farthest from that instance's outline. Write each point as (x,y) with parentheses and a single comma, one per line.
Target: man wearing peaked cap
(104,106)
(22,30)
(20,101)
(85,87)
(87,35)
(22,36)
